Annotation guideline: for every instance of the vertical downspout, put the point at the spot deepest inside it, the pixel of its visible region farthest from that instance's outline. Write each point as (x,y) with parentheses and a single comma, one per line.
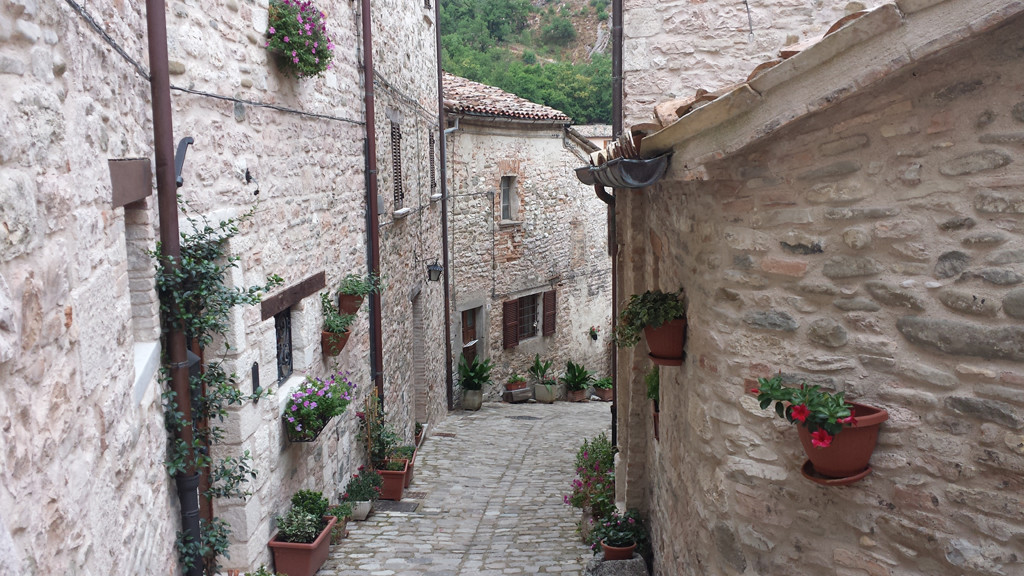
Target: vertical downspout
(613,245)
(187,482)
(373,222)
(441,124)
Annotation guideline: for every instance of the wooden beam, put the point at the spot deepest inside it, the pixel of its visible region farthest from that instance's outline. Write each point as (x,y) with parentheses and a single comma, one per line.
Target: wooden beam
(277,303)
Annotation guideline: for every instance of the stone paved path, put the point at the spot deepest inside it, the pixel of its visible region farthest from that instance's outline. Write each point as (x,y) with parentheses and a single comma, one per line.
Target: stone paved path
(490,486)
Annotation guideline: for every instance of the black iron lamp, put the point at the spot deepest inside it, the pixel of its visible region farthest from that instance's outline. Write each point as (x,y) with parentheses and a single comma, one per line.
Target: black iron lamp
(434,271)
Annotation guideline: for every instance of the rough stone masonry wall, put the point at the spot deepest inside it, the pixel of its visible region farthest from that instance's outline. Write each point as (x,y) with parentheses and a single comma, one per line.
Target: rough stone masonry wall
(82,482)
(559,242)
(876,249)
(406,94)
(670,49)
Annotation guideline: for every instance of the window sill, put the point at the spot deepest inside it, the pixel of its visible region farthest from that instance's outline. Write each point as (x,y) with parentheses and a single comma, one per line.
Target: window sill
(147,360)
(402,213)
(510,224)
(428,14)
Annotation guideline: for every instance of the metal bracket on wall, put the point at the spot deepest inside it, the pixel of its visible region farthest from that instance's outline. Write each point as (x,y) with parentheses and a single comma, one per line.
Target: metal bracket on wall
(179,158)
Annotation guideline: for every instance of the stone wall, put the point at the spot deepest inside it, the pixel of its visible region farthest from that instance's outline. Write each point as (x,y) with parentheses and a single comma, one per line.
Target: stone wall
(83,428)
(875,249)
(670,49)
(558,241)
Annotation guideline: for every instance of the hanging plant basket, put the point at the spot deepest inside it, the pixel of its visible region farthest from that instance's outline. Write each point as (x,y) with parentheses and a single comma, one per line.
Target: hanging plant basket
(846,459)
(666,342)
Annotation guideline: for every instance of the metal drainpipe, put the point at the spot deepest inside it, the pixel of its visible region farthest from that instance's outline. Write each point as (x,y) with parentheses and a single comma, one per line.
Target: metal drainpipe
(612,241)
(441,123)
(187,483)
(372,219)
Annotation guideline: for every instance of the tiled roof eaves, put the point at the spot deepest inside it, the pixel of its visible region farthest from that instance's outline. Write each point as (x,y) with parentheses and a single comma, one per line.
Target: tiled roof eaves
(485,113)
(854,57)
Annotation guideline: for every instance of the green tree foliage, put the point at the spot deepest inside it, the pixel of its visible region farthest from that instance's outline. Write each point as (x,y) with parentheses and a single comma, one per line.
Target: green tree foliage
(559,30)
(472,35)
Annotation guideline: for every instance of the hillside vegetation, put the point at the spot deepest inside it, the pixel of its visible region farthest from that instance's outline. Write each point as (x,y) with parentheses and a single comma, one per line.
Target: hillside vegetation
(550,52)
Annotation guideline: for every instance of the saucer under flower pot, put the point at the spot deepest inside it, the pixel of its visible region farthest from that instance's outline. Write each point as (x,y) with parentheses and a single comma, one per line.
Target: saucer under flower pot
(808,471)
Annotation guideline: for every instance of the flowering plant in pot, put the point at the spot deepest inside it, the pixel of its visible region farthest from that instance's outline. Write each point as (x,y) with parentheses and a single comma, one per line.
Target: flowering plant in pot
(343,512)
(619,535)
(335,332)
(301,544)
(314,403)
(515,382)
(576,379)
(544,387)
(662,319)
(361,491)
(593,488)
(297,35)
(838,436)
(594,332)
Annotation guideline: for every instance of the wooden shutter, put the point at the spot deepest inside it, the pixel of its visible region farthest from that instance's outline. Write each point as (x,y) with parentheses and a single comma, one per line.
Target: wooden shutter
(549,313)
(510,324)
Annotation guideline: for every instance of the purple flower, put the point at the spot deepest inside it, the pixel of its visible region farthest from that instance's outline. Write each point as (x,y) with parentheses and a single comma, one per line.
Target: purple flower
(295,407)
(272,30)
(285,39)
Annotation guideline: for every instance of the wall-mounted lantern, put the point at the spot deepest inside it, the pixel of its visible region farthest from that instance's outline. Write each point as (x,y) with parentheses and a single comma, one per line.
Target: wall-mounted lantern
(434,271)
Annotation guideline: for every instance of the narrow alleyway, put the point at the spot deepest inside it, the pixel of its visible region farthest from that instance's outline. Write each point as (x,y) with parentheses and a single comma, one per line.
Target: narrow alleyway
(489,485)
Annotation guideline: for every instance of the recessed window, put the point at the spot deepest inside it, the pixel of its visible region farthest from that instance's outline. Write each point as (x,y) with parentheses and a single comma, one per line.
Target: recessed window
(509,198)
(521,317)
(430,154)
(283,330)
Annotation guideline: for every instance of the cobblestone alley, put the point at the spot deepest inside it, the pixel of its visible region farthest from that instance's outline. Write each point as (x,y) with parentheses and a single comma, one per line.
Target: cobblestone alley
(489,488)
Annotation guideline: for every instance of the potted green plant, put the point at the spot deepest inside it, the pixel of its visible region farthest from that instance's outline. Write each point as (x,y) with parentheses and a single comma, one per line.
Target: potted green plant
(576,379)
(301,543)
(619,535)
(603,388)
(473,376)
(335,332)
(408,453)
(662,319)
(393,478)
(419,433)
(354,288)
(543,388)
(313,404)
(263,571)
(343,512)
(361,492)
(653,381)
(837,436)
(515,382)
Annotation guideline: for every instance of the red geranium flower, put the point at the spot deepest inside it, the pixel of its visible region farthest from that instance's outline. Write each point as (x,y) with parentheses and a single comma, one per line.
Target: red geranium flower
(755,391)
(800,413)
(821,438)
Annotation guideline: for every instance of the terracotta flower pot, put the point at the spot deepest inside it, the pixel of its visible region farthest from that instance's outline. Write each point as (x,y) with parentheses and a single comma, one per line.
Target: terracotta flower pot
(515,386)
(605,394)
(666,342)
(332,343)
(848,454)
(394,482)
(616,553)
(295,559)
(339,531)
(576,395)
(349,303)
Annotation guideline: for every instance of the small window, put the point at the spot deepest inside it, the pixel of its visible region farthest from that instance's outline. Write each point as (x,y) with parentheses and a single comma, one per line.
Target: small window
(283,330)
(509,199)
(396,165)
(528,317)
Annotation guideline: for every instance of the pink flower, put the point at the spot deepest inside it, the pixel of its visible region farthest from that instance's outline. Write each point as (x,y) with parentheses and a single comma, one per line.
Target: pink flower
(801,413)
(285,39)
(755,391)
(272,30)
(821,438)
(849,419)
(296,60)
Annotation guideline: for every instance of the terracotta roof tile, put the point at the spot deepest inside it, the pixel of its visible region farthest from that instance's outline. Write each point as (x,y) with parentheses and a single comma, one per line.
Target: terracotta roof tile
(462,95)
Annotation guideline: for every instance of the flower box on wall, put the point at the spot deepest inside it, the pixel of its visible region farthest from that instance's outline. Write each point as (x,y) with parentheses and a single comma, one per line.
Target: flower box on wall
(298,559)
